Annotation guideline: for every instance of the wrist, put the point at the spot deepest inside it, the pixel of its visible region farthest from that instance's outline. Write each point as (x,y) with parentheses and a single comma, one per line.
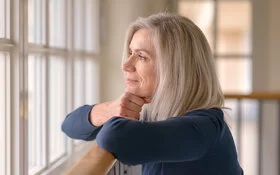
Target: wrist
(99,114)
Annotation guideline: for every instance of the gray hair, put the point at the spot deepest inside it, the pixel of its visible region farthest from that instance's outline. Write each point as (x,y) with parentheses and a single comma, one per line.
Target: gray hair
(185,68)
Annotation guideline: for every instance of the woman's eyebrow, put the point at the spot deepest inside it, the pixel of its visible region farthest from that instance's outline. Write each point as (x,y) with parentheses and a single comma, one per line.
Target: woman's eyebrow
(145,50)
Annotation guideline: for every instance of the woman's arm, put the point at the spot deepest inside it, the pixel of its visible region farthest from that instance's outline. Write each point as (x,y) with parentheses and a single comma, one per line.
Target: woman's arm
(176,139)
(85,122)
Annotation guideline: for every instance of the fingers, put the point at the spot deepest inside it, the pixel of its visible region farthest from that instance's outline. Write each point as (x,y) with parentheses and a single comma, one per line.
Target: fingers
(125,112)
(134,99)
(127,106)
(130,105)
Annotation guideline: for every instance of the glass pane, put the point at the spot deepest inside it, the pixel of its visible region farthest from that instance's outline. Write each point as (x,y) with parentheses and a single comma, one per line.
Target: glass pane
(57,23)
(79,25)
(248,155)
(92,25)
(57,107)
(235,74)
(8,19)
(249,137)
(234,27)
(36,113)
(36,21)
(201,13)
(2,18)
(5,19)
(92,81)
(4,113)
(79,86)
(79,83)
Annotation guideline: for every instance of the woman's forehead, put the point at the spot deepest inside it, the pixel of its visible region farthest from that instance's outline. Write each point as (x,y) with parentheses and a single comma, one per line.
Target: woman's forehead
(142,40)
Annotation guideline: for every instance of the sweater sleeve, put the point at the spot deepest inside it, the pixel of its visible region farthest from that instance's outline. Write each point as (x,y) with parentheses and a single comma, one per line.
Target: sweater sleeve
(77,126)
(176,139)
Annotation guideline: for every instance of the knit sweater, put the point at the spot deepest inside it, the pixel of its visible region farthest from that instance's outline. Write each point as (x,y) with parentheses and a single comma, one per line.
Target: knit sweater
(198,143)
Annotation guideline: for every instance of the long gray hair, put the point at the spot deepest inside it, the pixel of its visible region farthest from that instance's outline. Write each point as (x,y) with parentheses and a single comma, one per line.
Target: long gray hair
(185,69)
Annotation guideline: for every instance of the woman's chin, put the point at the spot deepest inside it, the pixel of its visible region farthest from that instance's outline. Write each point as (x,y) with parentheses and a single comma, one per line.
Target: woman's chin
(136,91)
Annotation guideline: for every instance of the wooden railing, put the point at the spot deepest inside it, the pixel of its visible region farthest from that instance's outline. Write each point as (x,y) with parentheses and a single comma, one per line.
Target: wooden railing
(255,95)
(96,162)
(99,162)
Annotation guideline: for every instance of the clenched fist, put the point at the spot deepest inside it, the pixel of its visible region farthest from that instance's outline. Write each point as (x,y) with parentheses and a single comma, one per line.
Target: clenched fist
(127,105)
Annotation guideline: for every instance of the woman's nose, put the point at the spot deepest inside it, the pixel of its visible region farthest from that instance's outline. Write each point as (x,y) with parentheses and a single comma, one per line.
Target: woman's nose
(129,65)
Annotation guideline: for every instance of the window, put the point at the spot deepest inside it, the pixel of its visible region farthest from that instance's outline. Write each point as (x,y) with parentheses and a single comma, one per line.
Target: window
(79,82)
(57,107)
(227,26)
(5,113)
(37,88)
(57,23)
(36,21)
(5,19)
(91,77)
(36,113)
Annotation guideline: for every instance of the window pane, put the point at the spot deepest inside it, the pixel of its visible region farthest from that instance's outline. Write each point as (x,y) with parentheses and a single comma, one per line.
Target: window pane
(2,18)
(4,113)
(92,81)
(235,74)
(36,21)
(57,107)
(92,25)
(234,27)
(249,137)
(8,19)
(201,13)
(79,83)
(5,19)
(249,132)
(78,24)
(36,113)
(57,23)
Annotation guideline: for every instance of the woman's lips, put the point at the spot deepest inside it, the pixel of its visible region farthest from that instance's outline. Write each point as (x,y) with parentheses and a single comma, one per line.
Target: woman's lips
(131,82)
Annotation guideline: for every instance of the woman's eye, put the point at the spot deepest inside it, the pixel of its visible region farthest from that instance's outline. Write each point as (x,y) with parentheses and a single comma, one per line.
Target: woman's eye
(141,57)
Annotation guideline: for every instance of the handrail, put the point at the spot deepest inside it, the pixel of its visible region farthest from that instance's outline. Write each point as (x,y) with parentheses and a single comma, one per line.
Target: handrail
(96,162)
(254,95)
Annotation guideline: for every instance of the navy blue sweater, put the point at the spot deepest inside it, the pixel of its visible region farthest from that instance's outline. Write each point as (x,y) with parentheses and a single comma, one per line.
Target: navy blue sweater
(199,143)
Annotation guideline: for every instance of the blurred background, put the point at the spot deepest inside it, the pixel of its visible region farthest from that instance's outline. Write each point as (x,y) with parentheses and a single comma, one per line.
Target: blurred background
(56,55)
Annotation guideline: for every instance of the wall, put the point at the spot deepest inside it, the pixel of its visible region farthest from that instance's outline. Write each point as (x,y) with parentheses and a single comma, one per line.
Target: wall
(266,62)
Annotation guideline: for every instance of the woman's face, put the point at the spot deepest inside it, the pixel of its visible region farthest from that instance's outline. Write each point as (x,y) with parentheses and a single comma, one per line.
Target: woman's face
(140,65)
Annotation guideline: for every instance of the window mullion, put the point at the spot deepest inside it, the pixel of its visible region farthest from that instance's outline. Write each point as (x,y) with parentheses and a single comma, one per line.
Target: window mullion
(24,134)
(84,38)
(47,85)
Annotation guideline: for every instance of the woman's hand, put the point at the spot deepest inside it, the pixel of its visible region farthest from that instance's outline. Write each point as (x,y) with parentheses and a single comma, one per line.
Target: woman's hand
(127,106)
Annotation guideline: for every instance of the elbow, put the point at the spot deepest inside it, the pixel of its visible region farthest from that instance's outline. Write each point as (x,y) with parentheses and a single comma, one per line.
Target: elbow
(67,129)
(112,138)
(107,138)
(70,130)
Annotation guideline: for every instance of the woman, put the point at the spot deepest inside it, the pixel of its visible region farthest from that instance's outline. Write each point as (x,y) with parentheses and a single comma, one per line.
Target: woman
(170,117)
